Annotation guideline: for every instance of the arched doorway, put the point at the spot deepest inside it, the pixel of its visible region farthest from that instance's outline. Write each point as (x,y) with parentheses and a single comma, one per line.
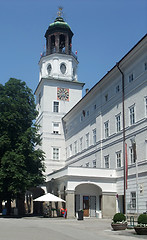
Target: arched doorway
(88,198)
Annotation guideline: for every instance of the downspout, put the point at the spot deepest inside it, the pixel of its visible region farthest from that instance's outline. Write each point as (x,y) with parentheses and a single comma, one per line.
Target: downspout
(124,137)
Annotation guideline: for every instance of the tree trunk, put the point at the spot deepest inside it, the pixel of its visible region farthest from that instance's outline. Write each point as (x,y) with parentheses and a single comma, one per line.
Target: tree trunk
(8,206)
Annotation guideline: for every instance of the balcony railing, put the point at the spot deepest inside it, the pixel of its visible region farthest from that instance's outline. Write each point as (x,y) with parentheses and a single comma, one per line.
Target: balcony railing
(61,51)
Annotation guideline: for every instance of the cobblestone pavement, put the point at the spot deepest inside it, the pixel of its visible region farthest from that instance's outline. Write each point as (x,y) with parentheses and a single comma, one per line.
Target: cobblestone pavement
(35,228)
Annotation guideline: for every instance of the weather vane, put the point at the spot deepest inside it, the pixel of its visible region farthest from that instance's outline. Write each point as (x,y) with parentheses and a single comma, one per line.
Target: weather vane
(59,13)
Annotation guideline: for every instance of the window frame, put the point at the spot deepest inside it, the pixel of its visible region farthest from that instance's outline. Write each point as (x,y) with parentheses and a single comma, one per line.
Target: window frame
(55,106)
(106,129)
(118,123)
(94,136)
(87,140)
(118,159)
(56,153)
(133,200)
(132,115)
(106,161)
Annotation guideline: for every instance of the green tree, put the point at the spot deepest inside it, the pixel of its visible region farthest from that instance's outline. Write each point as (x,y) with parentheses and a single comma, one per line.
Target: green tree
(21,162)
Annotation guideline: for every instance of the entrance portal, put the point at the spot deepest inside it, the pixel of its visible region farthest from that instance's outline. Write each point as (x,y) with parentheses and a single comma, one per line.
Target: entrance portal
(86,206)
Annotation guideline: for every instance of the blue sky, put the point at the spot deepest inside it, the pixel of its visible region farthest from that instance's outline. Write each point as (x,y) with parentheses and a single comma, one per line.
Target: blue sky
(104,31)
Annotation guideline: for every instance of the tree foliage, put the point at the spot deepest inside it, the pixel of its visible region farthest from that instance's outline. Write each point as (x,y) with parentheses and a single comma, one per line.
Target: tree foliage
(21,163)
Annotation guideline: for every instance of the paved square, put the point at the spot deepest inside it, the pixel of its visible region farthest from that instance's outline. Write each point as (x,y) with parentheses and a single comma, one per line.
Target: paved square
(35,228)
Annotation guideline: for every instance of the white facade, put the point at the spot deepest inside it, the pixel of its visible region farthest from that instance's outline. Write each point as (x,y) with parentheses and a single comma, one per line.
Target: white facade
(91,135)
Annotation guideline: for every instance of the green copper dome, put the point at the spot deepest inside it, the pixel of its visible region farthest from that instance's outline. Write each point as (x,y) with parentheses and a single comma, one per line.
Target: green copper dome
(59,25)
(59,22)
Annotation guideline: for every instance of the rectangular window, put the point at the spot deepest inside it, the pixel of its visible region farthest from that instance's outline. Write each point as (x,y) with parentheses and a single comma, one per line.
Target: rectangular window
(131,77)
(106,127)
(70,150)
(132,115)
(87,140)
(81,143)
(76,147)
(94,136)
(55,153)
(55,106)
(145,66)
(118,127)
(56,128)
(106,161)
(132,159)
(94,163)
(118,159)
(133,200)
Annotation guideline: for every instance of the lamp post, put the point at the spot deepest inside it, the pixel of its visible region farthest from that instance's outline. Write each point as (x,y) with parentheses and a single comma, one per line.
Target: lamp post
(133,142)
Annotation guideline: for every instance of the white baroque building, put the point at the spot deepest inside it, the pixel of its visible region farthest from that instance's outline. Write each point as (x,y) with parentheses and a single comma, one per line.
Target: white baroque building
(95,146)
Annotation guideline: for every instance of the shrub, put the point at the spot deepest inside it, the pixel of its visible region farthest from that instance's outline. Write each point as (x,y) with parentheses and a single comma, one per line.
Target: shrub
(119,217)
(142,219)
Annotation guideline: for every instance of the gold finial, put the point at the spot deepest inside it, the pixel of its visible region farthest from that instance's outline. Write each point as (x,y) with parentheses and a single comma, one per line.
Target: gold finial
(59,13)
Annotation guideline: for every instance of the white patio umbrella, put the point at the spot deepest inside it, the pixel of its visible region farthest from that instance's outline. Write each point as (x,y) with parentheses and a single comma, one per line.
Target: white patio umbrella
(49,198)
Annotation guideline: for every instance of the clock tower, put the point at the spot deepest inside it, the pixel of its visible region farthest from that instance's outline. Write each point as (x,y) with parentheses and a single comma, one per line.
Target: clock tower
(57,92)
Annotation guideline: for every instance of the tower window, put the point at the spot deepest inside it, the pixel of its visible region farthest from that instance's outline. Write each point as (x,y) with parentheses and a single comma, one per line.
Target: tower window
(55,153)
(62,43)
(52,44)
(56,107)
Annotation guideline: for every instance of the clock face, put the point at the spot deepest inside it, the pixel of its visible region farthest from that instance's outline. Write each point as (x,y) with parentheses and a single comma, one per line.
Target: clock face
(63,94)
(49,68)
(63,68)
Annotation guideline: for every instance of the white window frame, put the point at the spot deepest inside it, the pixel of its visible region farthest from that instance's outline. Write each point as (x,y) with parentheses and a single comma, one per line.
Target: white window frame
(94,136)
(132,115)
(132,159)
(56,127)
(87,140)
(118,123)
(106,162)
(94,163)
(106,129)
(70,150)
(76,147)
(81,143)
(133,200)
(56,153)
(118,159)
(55,107)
